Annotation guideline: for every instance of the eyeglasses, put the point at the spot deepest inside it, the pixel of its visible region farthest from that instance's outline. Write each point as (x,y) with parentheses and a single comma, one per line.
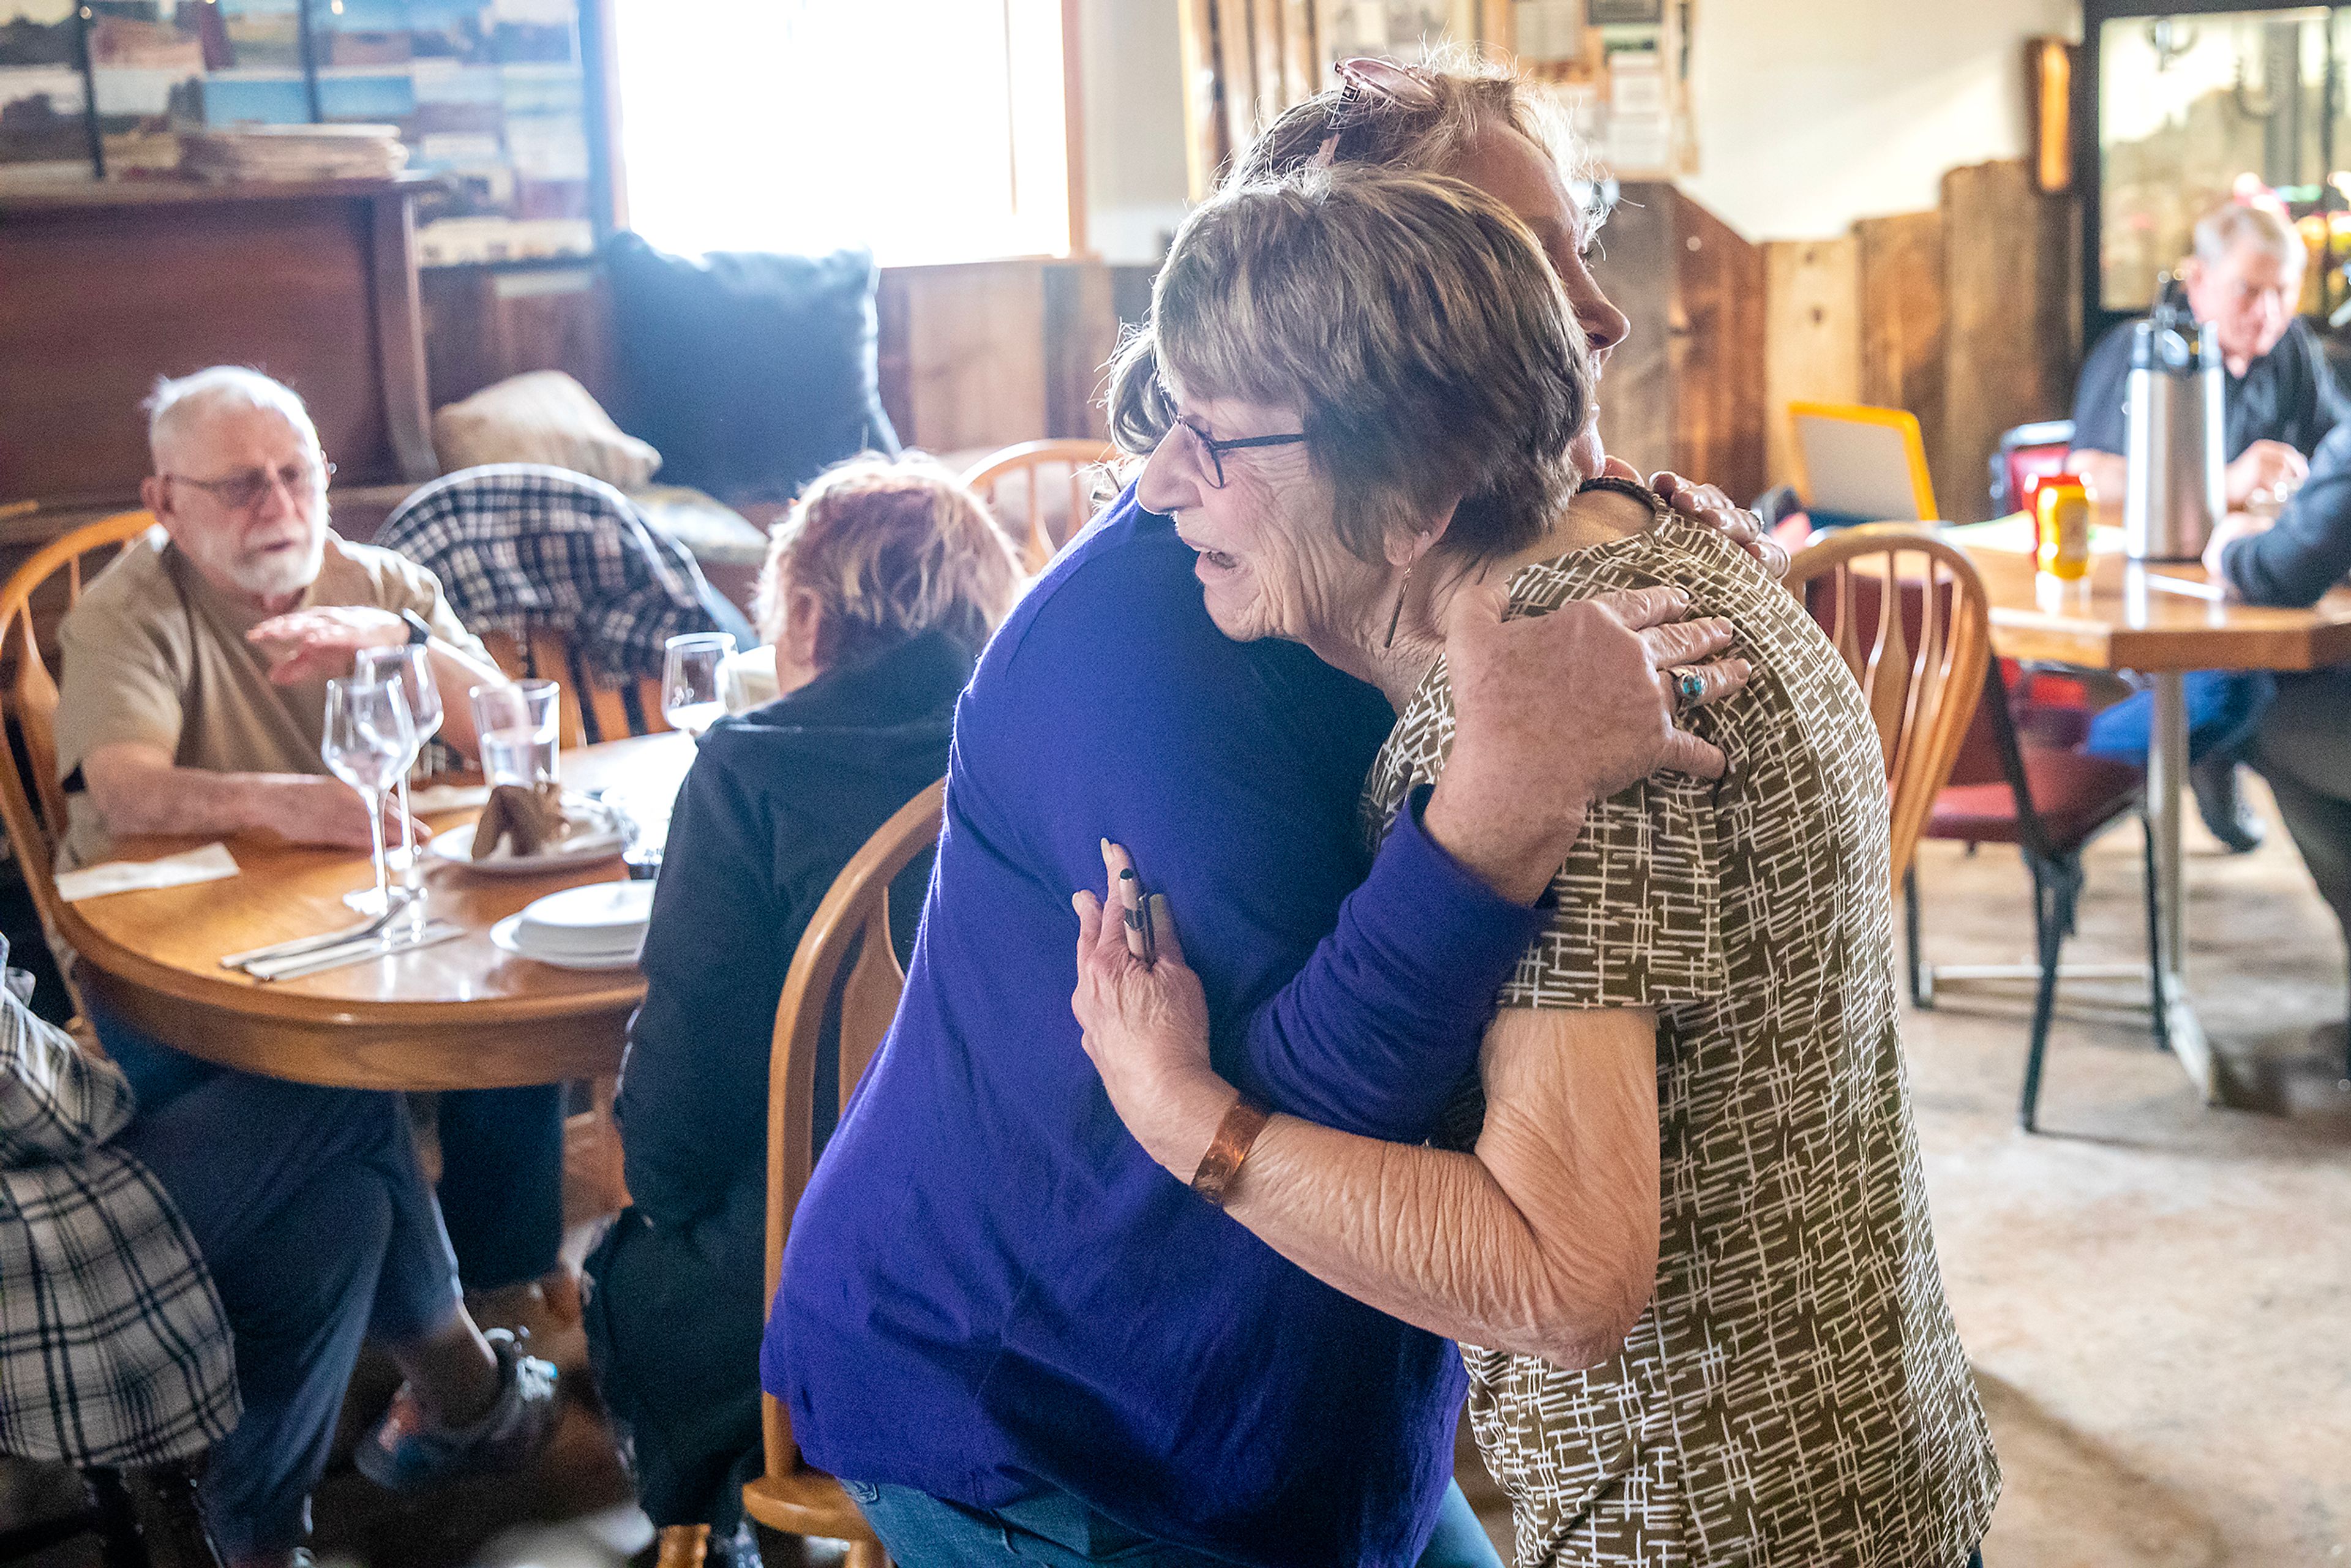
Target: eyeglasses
(1363,78)
(1213,451)
(241,492)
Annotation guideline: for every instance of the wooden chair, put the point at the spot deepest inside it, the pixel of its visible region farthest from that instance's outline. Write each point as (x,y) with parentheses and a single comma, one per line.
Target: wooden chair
(1921,669)
(34,811)
(1085,462)
(850,930)
(590,707)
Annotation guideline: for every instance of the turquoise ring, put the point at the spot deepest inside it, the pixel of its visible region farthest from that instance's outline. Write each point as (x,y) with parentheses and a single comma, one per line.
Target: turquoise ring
(1690,686)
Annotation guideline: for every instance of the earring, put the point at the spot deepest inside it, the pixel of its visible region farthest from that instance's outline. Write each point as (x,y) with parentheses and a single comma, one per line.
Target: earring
(1402,588)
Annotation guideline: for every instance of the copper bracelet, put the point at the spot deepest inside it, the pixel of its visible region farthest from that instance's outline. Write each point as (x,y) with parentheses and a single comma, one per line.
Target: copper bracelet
(1236,1136)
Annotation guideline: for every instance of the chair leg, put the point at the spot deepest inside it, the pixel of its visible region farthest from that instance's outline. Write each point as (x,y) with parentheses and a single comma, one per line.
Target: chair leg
(2158,1004)
(120,1542)
(866,1554)
(1922,978)
(683,1546)
(2052,911)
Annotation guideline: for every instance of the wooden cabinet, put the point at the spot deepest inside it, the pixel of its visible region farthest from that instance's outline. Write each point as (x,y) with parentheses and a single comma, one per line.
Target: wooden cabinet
(105,286)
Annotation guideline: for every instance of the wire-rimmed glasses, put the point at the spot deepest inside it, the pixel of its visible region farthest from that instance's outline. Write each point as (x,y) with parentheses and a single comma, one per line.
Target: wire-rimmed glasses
(368,742)
(243,492)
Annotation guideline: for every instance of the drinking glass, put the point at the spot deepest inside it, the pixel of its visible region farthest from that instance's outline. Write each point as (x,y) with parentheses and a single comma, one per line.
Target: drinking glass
(370,741)
(519,726)
(410,668)
(692,697)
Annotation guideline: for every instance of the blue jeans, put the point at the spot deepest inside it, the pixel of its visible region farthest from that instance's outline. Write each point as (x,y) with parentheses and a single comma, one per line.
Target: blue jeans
(501,1188)
(1052,1527)
(2223,708)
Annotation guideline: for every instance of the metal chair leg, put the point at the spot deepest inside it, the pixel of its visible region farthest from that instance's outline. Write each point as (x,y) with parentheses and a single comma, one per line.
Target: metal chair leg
(2158,1004)
(2052,901)
(1922,978)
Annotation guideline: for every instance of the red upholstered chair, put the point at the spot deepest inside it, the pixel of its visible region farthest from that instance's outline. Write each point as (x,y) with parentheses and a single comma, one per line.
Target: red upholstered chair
(2010,786)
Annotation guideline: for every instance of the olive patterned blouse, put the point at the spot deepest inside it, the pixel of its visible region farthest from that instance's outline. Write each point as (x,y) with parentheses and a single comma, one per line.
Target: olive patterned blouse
(1795,1393)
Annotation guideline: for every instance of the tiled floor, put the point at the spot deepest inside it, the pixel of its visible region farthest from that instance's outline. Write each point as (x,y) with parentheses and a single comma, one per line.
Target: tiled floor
(2156,1296)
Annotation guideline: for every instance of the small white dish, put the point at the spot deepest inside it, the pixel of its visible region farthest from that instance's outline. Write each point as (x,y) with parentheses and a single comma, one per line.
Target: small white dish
(455,846)
(595,921)
(502,935)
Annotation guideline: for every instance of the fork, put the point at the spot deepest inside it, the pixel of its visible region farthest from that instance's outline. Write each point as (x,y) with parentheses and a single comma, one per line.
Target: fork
(315,943)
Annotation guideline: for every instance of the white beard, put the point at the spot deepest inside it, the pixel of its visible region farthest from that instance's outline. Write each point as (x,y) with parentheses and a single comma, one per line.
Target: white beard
(275,576)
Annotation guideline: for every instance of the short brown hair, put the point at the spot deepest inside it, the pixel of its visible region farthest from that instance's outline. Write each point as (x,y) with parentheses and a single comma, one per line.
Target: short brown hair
(891,548)
(1412,321)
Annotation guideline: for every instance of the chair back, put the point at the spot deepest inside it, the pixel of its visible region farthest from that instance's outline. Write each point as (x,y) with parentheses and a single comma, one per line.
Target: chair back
(1861,464)
(1920,667)
(1042,491)
(2045,446)
(35,809)
(845,967)
(591,706)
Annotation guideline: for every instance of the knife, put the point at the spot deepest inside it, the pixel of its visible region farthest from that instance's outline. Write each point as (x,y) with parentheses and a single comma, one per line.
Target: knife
(359,951)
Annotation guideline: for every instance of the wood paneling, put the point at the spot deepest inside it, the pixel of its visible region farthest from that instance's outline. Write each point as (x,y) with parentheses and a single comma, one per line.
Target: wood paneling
(1080,333)
(1811,342)
(1639,394)
(2011,343)
(1902,318)
(963,349)
(483,326)
(1716,333)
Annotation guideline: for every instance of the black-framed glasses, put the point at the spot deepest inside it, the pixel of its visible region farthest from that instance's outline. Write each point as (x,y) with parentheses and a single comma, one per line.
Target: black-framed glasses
(241,492)
(1214,450)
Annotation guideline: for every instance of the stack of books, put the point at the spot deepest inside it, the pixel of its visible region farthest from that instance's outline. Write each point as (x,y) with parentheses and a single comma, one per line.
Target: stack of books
(293,153)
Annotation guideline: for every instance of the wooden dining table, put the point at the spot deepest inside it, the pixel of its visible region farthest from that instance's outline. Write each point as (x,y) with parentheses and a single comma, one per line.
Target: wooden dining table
(462,1014)
(2159,622)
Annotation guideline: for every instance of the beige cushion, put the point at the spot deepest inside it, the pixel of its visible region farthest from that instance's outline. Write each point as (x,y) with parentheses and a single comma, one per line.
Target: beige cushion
(543,416)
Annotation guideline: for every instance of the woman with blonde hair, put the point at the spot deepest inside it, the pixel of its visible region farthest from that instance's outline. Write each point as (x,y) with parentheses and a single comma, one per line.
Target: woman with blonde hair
(881,585)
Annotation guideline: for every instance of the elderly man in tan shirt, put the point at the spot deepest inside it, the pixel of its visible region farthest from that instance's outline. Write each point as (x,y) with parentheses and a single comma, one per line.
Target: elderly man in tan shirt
(192,701)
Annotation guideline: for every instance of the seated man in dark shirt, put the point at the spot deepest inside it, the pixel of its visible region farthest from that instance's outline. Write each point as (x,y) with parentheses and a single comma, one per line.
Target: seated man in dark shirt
(2279,400)
(2304,744)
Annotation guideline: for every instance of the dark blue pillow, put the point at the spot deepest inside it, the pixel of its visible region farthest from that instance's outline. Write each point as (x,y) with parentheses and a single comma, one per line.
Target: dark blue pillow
(749,372)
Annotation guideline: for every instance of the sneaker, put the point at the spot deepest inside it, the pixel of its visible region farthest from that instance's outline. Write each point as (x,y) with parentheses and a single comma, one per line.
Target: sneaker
(2223,806)
(406,1452)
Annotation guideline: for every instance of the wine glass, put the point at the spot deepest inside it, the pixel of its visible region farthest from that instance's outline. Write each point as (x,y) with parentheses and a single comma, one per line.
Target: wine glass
(410,668)
(519,724)
(370,741)
(691,698)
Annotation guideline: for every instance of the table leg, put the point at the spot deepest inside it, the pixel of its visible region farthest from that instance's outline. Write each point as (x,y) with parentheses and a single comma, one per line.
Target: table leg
(2166,776)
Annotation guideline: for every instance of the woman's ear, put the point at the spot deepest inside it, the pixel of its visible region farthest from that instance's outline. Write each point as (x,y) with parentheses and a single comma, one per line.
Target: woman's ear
(1406,549)
(803,625)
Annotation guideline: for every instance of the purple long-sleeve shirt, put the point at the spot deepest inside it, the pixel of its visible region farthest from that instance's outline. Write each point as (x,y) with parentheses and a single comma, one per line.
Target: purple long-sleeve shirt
(989,1284)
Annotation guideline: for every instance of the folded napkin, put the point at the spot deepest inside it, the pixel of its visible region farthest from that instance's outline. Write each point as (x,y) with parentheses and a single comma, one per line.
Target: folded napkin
(207,864)
(436,797)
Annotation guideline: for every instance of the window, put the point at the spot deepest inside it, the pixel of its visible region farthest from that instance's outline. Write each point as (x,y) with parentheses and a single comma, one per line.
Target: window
(930,131)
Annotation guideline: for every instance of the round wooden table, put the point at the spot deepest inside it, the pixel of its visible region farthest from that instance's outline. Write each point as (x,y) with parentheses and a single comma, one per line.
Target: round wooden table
(460,1015)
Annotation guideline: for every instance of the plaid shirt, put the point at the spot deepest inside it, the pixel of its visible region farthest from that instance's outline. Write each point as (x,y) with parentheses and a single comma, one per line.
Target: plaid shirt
(523,545)
(113,1347)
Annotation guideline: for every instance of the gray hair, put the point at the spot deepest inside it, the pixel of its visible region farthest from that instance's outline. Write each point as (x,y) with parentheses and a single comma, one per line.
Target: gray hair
(2233,224)
(1410,320)
(177,400)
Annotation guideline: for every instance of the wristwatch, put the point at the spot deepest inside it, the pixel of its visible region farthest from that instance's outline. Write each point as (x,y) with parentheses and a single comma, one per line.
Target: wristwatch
(420,631)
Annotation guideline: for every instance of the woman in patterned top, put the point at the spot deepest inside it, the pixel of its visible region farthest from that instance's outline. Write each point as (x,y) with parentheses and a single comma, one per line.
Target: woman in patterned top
(1678,1224)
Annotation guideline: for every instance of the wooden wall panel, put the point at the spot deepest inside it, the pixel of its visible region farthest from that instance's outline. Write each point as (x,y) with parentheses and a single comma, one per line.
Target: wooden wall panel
(1080,333)
(481,326)
(1811,340)
(1638,393)
(963,351)
(1716,353)
(2013,339)
(1902,319)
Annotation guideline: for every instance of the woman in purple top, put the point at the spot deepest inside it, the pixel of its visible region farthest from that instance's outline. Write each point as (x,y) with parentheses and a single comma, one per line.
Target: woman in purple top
(1001,1322)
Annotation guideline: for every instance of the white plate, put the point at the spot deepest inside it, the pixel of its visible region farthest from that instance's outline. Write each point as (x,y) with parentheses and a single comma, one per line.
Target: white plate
(583,848)
(591,922)
(503,935)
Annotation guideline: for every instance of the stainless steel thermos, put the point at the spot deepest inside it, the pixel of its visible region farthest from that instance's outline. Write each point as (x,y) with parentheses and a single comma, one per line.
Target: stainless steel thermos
(2177,491)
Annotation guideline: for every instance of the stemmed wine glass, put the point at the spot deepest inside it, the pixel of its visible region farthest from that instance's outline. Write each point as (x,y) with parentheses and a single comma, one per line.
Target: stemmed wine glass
(410,668)
(692,699)
(370,742)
